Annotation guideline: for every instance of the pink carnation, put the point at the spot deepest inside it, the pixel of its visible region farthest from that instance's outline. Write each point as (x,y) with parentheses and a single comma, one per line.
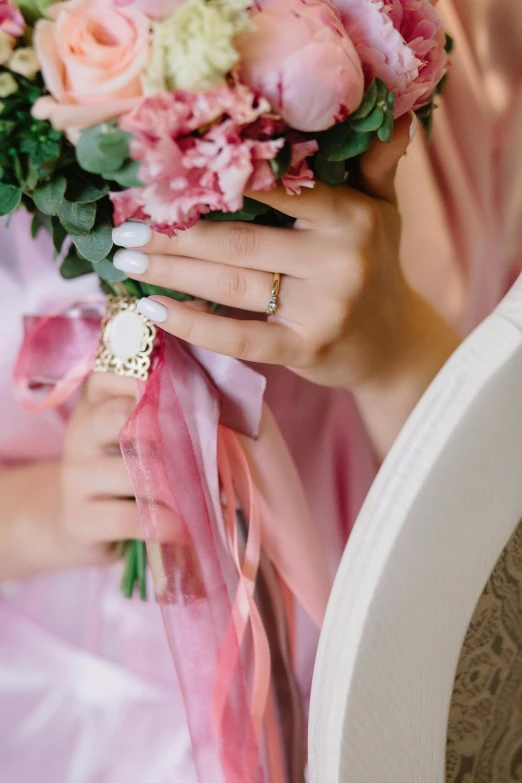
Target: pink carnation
(401,42)
(11,20)
(186,175)
(299,174)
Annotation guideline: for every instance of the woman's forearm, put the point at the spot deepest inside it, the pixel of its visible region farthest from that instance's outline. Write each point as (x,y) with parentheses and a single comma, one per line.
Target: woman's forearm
(29,519)
(385,402)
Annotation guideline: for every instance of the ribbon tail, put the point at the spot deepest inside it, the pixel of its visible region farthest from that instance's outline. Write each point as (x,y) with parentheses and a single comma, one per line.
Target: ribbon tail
(170,447)
(290,536)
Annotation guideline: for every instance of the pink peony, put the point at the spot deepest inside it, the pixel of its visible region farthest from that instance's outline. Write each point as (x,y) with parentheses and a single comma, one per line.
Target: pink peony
(401,42)
(186,175)
(155,9)
(11,20)
(301,60)
(93,54)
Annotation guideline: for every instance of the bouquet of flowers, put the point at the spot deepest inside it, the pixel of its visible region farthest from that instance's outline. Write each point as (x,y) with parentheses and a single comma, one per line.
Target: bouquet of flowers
(168,112)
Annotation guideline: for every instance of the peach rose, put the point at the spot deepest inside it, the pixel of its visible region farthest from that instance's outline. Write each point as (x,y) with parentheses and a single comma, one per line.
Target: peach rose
(92,54)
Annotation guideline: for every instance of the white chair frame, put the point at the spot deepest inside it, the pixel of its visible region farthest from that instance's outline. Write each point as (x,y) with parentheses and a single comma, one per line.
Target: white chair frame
(440,512)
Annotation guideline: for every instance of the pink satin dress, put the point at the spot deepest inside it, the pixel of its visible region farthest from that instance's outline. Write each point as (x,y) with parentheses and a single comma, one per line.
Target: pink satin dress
(88,692)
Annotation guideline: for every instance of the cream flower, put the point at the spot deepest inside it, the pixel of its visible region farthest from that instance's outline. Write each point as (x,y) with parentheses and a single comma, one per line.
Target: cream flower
(8,85)
(25,62)
(194,49)
(7,43)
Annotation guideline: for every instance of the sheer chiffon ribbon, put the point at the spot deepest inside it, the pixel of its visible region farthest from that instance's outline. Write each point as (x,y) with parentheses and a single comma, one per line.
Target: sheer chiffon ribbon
(199,438)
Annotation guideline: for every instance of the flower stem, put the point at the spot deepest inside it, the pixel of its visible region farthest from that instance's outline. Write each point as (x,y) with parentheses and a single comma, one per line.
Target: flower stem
(129,570)
(141,568)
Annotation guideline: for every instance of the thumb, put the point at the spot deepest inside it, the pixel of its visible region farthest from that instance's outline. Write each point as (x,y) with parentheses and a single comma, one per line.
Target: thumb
(378,166)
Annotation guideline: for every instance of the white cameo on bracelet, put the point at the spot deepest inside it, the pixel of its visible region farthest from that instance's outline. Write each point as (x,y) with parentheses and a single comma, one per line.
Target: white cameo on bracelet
(126,340)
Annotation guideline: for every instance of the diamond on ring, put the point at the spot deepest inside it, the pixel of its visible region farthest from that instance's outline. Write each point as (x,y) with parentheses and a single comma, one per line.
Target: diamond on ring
(276,285)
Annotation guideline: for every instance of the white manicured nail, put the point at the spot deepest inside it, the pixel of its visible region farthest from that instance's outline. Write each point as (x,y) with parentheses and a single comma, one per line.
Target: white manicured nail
(131,234)
(153,310)
(413,126)
(131,262)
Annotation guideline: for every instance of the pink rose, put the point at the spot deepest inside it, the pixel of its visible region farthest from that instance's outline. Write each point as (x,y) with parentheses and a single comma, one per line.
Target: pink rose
(11,20)
(401,42)
(92,54)
(187,175)
(155,9)
(301,60)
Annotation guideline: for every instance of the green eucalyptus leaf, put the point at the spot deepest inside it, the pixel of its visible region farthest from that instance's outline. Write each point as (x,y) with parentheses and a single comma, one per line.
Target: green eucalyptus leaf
(382,91)
(133,288)
(332,140)
(82,192)
(6,128)
(385,132)
(36,226)
(106,270)
(115,142)
(281,163)
(73,266)
(368,102)
(355,144)
(38,222)
(17,166)
(33,175)
(102,149)
(127,176)
(156,290)
(255,208)
(330,172)
(241,216)
(49,197)
(80,216)
(96,245)
(33,9)
(73,230)
(58,234)
(372,122)
(10,198)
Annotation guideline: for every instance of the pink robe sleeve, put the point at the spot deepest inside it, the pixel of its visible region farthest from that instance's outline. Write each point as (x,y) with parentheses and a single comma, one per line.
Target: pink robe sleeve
(461,197)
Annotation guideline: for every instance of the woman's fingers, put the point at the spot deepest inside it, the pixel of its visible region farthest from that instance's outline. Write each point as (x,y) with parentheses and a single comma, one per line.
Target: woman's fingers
(231,286)
(108,477)
(319,206)
(242,289)
(113,520)
(378,166)
(103,385)
(107,419)
(253,341)
(241,244)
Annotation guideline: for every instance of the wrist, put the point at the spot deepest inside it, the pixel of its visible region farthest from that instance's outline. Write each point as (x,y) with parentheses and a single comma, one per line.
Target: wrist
(422,343)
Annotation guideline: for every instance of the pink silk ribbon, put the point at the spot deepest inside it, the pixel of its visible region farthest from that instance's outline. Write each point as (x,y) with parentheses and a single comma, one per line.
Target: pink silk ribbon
(200,437)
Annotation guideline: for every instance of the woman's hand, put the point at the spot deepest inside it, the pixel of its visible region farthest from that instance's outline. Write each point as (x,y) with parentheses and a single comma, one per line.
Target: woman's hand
(71,514)
(346,317)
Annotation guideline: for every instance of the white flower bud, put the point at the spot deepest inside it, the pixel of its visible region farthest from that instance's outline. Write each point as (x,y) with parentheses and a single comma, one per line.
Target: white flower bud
(25,62)
(8,85)
(7,43)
